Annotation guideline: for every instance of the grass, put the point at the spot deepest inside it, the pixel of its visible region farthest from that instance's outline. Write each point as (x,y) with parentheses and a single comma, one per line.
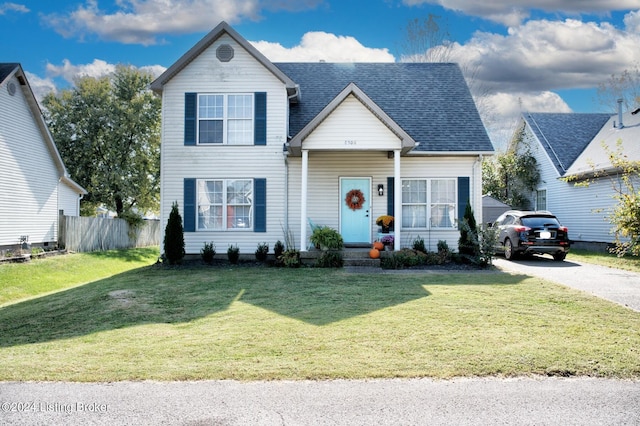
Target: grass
(629,263)
(155,323)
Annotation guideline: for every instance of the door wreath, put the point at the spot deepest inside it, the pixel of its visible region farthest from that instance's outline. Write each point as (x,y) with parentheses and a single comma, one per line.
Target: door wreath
(355,199)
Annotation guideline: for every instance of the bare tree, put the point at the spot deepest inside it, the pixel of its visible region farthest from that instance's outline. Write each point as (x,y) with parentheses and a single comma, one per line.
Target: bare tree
(625,86)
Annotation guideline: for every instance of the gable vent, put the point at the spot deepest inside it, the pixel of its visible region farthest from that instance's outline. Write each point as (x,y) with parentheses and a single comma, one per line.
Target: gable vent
(224,53)
(11,88)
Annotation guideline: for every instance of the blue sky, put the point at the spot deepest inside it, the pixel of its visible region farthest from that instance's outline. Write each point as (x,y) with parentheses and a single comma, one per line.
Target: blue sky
(537,55)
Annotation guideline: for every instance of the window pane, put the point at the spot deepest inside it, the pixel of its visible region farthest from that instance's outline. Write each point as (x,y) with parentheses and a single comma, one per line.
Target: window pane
(211,106)
(209,217)
(443,191)
(239,217)
(414,216)
(443,215)
(239,191)
(210,131)
(414,191)
(240,106)
(541,200)
(240,132)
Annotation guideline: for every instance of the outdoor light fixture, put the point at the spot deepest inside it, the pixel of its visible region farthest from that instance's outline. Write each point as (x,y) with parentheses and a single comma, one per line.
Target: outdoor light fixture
(380,190)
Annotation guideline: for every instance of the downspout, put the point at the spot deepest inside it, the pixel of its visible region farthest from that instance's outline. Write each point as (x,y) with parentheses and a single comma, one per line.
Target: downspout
(286,188)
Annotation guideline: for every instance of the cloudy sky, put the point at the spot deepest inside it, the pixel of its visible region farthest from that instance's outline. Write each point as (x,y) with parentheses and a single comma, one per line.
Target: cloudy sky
(536,55)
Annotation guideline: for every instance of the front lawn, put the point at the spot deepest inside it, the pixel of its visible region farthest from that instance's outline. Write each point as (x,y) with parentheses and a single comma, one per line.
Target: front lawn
(266,323)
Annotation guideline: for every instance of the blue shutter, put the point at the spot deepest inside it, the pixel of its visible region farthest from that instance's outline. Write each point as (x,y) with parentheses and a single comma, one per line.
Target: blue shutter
(390,196)
(463,196)
(260,205)
(260,119)
(190,122)
(189,205)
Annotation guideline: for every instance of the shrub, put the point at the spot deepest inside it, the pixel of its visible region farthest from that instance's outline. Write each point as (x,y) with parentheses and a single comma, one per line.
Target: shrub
(330,259)
(262,251)
(208,252)
(327,238)
(404,258)
(290,258)
(468,243)
(233,253)
(278,249)
(418,244)
(174,237)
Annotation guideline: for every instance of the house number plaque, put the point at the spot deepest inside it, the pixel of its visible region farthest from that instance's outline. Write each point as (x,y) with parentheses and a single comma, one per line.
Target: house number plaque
(351,142)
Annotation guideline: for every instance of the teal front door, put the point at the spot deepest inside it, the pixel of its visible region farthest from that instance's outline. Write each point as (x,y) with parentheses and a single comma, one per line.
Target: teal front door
(355,220)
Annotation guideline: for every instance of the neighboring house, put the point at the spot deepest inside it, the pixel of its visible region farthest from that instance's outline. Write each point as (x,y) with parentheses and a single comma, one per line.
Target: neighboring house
(34,184)
(492,208)
(569,148)
(251,148)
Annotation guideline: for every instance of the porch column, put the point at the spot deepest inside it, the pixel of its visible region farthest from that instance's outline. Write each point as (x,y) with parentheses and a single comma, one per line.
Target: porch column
(397,199)
(303,200)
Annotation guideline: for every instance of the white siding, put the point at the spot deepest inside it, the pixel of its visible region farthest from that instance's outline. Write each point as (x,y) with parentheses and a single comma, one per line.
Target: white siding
(68,200)
(352,126)
(582,209)
(243,74)
(28,176)
(324,200)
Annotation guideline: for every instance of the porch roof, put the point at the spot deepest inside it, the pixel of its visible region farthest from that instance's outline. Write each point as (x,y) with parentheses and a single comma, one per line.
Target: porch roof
(430,103)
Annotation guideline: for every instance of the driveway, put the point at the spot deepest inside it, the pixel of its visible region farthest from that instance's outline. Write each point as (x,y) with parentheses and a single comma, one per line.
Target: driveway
(622,287)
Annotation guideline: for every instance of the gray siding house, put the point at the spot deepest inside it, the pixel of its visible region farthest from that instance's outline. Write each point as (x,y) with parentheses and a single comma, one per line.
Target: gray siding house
(252,148)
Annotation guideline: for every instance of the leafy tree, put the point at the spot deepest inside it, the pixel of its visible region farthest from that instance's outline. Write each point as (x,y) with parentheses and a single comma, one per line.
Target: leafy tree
(174,237)
(108,134)
(511,176)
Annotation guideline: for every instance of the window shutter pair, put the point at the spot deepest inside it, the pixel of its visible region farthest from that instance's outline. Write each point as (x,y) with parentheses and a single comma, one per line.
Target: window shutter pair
(463,196)
(259,119)
(259,205)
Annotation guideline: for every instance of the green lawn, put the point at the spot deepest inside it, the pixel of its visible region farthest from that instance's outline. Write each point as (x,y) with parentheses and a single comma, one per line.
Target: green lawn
(630,263)
(140,321)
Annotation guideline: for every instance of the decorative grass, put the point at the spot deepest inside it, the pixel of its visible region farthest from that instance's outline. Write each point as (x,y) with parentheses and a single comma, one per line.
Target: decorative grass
(159,323)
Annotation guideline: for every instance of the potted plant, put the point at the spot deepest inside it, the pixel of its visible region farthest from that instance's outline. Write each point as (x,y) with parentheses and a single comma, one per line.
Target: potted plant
(385,222)
(387,240)
(326,238)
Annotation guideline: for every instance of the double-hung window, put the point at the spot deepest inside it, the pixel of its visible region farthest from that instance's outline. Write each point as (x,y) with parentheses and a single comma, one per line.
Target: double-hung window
(225,204)
(225,119)
(429,203)
(541,199)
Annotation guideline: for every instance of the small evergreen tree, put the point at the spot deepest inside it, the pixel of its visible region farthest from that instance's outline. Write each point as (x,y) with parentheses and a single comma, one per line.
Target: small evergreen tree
(174,237)
(468,243)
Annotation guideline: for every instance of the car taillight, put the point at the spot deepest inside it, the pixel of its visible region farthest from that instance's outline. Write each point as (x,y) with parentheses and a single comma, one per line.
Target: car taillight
(564,229)
(522,229)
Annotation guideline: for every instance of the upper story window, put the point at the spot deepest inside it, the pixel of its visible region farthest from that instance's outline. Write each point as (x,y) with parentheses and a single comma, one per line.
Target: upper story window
(225,119)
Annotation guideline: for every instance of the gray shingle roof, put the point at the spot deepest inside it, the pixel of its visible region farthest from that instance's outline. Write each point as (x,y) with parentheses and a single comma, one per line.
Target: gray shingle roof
(565,135)
(6,68)
(429,101)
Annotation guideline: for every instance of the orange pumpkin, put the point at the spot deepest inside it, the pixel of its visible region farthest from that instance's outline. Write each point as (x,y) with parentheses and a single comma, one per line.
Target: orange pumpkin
(378,245)
(374,253)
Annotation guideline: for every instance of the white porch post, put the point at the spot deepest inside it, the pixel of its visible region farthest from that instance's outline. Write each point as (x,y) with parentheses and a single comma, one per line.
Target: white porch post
(397,199)
(303,200)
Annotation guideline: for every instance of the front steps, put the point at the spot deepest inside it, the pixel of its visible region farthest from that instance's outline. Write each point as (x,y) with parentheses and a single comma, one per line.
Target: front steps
(352,256)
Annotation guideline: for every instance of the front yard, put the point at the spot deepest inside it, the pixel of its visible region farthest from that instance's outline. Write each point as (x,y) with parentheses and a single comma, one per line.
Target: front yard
(132,320)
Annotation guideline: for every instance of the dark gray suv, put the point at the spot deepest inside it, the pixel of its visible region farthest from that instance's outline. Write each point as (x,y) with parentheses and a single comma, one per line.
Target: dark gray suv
(528,232)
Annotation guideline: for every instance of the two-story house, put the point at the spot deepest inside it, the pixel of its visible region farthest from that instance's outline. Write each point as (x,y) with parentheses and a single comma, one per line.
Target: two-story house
(252,149)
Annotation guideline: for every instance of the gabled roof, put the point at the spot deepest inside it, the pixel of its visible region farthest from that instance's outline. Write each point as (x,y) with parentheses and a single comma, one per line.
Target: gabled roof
(430,102)
(223,28)
(10,69)
(595,158)
(352,89)
(565,135)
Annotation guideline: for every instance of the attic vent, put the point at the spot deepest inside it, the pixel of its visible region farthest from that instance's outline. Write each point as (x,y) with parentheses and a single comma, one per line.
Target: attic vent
(224,53)
(11,88)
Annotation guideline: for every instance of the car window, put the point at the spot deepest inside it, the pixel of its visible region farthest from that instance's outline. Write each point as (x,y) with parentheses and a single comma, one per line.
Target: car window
(539,221)
(508,220)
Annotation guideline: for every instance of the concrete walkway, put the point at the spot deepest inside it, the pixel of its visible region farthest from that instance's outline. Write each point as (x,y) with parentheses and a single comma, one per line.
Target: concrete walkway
(616,285)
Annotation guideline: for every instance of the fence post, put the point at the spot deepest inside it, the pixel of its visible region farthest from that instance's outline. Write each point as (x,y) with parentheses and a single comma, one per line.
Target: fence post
(62,230)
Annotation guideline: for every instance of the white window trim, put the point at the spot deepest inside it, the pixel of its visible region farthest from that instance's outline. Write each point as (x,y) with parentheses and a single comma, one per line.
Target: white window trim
(225,119)
(430,204)
(225,205)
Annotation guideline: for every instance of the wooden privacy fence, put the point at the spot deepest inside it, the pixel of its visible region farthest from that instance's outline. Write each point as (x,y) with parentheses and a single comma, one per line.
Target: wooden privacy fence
(85,234)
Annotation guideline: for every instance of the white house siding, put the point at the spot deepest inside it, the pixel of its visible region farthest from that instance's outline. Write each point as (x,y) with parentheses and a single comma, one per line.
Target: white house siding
(68,200)
(351,125)
(205,74)
(581,209)
(324,200)
(28,176)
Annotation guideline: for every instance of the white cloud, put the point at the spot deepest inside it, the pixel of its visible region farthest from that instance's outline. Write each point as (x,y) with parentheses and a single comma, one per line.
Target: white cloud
(548,55)
(13,7)
(98,68)
(513,12)
(40,86)
(632,22)
(317,46)
(140,22)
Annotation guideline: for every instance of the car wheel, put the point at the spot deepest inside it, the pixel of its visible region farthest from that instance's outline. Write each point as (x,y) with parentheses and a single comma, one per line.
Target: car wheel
(509,254)
(559,257)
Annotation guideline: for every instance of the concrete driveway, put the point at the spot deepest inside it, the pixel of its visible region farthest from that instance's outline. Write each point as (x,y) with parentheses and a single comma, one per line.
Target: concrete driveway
(622,287)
